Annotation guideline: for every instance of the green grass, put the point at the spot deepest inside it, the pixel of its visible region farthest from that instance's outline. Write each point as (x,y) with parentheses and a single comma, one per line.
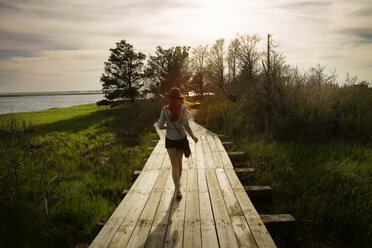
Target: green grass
(326,186)
(56,114)
(78,158)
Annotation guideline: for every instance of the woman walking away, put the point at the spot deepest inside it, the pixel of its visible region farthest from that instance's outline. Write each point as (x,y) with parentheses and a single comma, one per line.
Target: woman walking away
(176,116)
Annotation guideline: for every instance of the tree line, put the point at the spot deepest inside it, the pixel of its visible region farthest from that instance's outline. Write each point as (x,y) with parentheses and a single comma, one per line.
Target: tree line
(275,97)
(237,67)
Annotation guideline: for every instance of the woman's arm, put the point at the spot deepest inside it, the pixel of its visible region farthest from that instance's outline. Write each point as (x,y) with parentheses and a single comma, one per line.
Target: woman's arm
(161,121)
(188,129)
(185,123)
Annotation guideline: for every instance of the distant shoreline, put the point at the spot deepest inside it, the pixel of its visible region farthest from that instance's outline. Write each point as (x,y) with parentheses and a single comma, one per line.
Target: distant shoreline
(51,93)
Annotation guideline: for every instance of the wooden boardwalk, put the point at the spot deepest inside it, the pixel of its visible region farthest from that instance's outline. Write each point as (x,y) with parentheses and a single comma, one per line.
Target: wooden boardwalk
(214,211)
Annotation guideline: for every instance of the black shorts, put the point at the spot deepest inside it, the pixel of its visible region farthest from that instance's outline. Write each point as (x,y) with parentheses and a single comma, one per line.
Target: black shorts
(174,143)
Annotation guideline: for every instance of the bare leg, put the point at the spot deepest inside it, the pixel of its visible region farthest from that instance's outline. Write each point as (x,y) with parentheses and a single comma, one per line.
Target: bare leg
(172,152)
(179,158)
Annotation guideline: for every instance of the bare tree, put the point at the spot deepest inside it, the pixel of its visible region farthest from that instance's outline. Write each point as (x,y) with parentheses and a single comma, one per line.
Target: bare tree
(199,55)
(273,68)
(232,60)
(349,80)
(215,65)
(248,55)
(318,76)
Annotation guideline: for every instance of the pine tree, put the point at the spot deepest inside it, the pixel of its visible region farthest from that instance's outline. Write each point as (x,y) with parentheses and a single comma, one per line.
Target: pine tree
(123,74)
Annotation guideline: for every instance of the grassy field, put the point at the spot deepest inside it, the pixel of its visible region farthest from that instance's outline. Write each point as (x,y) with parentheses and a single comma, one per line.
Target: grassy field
(61,170)
(64,169)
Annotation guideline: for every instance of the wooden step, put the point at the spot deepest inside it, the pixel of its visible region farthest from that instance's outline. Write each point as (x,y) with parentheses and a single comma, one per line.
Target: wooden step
(277,218)
(155,141)
(241,165)
(227,143)
(125,192)
(259,192)
(150,148)
(221,135)
(236,156)
(244,170)
(280,224)
(102,221)
(135,175)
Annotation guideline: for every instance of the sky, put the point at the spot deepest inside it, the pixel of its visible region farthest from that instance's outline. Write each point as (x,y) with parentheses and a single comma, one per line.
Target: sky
(61,45)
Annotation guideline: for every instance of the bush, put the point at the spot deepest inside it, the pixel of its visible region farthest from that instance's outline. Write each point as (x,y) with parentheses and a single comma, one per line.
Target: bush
(303,113)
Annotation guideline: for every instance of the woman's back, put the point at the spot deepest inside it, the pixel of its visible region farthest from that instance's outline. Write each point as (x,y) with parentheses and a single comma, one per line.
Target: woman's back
(175,128)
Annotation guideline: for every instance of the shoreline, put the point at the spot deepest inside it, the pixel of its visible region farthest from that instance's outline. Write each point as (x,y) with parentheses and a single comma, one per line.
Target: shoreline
(50,94)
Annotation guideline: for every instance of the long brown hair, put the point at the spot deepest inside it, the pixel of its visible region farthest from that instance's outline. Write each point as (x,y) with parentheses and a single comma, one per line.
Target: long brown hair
(175,108)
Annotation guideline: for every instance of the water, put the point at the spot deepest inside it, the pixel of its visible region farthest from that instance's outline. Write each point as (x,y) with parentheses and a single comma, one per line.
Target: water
(18,104)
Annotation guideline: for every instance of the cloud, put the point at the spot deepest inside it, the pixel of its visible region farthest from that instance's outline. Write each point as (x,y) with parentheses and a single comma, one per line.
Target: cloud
(6,6)
(72,38)
(360,35)
(364,11)
(6,54)
(305,5)
(33,43)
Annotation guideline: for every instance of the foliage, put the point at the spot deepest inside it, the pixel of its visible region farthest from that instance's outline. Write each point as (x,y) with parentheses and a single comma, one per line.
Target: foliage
(167,69)
(325,185)
(14,124)
(215,61)
(123,74)
(58,180)
(319,161)
(304,114)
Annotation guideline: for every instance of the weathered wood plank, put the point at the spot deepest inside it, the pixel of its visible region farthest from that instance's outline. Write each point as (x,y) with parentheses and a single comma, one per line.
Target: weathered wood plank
(108,231)
(161,219)
(241,165)
(224,227)
(236,156)
(259,192)
(223,154)
(174,235)
(277,218)
(240,226)
(207,153)
(215,153)
(192,237)
(226,235)
(142,229)
(208,227)
(138,199)
(135,174)
(258,229)
(244,170)
(126,228)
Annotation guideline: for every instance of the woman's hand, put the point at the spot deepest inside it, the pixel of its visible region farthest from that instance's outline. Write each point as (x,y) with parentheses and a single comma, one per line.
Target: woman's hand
(195,139)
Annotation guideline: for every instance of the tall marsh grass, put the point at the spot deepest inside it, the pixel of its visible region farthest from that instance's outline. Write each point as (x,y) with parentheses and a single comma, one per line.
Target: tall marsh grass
(15,125)
(304,113)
